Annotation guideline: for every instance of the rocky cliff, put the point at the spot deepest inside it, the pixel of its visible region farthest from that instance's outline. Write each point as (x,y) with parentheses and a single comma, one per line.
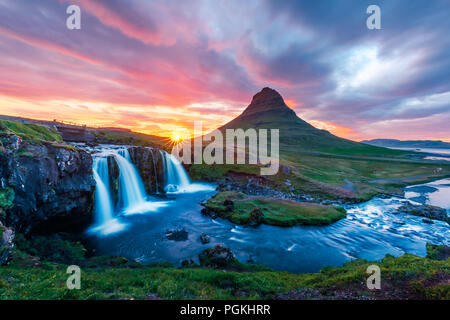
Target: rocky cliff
(150,165)
(44,186)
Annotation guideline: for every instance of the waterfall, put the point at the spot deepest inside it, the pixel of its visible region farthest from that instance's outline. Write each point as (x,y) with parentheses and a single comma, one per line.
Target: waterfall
(124,153)
(106,223)
(103,203)
(177,178)
(132,195)
(131,188)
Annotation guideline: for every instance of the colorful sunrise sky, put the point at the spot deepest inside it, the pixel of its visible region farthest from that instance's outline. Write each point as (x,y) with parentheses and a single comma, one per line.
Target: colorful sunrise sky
(156,66)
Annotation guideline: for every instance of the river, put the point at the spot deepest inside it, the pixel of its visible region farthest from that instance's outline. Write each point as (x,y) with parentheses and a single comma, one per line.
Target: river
(370,231)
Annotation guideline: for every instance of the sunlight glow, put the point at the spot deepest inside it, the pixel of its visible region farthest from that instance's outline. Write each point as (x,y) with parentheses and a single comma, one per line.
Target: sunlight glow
(176,138)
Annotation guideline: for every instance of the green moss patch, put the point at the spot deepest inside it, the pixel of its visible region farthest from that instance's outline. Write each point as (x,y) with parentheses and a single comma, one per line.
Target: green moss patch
(242,209)
(6,197)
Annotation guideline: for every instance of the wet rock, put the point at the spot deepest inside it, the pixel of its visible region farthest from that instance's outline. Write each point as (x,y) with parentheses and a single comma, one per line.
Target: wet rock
(218,256)
(256,217)
(209,212)
(229,204)
(427,211)
(52,184)
(6,244)
(177,235)
(204,238)
(427,221)
(150,165)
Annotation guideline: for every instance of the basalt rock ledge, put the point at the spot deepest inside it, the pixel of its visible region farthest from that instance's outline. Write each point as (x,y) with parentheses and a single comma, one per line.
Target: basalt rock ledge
(49,186)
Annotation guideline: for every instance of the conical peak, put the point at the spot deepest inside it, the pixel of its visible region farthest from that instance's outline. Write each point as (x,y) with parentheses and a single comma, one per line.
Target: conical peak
(267,95)
(266,100)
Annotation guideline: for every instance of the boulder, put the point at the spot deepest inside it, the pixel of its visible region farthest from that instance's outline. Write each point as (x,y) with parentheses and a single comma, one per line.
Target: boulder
(427,211)
(218,256)
(256,217)
(204,238)
(6,244)
(177,235)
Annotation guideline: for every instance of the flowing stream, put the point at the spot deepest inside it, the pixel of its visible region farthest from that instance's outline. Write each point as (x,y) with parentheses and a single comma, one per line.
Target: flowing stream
(137,230)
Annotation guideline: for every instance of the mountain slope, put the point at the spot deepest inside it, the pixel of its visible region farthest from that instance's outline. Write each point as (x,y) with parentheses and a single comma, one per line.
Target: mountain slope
(268,110)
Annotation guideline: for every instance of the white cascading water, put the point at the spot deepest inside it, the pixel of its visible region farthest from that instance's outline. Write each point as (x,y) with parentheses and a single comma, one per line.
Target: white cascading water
(177,178)
(131,187)
(103,205)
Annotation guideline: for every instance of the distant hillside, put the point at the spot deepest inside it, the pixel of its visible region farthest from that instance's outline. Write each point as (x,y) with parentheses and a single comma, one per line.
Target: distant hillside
(392,143)
(71,132)
(268,110)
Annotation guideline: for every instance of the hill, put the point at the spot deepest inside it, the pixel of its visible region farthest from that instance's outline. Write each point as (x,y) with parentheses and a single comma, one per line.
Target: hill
(393,143)
(316,162)
(268,110)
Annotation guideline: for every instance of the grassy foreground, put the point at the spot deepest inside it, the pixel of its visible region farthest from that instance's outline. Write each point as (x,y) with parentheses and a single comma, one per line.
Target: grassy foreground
(242,209)
(404,277)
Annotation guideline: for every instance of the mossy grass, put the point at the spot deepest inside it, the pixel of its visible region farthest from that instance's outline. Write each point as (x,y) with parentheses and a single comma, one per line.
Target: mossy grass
(30,277)
(274,211)
(26,278)
(6,197)
(29,132)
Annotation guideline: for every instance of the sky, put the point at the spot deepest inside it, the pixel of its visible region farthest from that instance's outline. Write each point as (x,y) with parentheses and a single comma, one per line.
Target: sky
(156,66)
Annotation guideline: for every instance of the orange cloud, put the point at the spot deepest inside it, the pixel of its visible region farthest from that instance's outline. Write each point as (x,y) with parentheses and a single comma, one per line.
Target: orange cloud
(335,129)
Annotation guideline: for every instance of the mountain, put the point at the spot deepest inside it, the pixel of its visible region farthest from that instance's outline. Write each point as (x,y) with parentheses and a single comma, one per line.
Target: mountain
(268,110)
(392,143)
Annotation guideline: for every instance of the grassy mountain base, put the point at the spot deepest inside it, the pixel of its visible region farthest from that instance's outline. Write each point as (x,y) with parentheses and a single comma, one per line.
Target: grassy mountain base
(331,176)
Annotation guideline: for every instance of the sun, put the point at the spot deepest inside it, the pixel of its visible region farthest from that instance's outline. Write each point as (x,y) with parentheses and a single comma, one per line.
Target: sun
(176,138)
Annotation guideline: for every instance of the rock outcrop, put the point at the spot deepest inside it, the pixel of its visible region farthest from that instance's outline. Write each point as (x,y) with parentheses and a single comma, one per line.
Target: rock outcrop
(51,183)
(204,238)
(150,164)
(427,211)
(219,256)
(6,244)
